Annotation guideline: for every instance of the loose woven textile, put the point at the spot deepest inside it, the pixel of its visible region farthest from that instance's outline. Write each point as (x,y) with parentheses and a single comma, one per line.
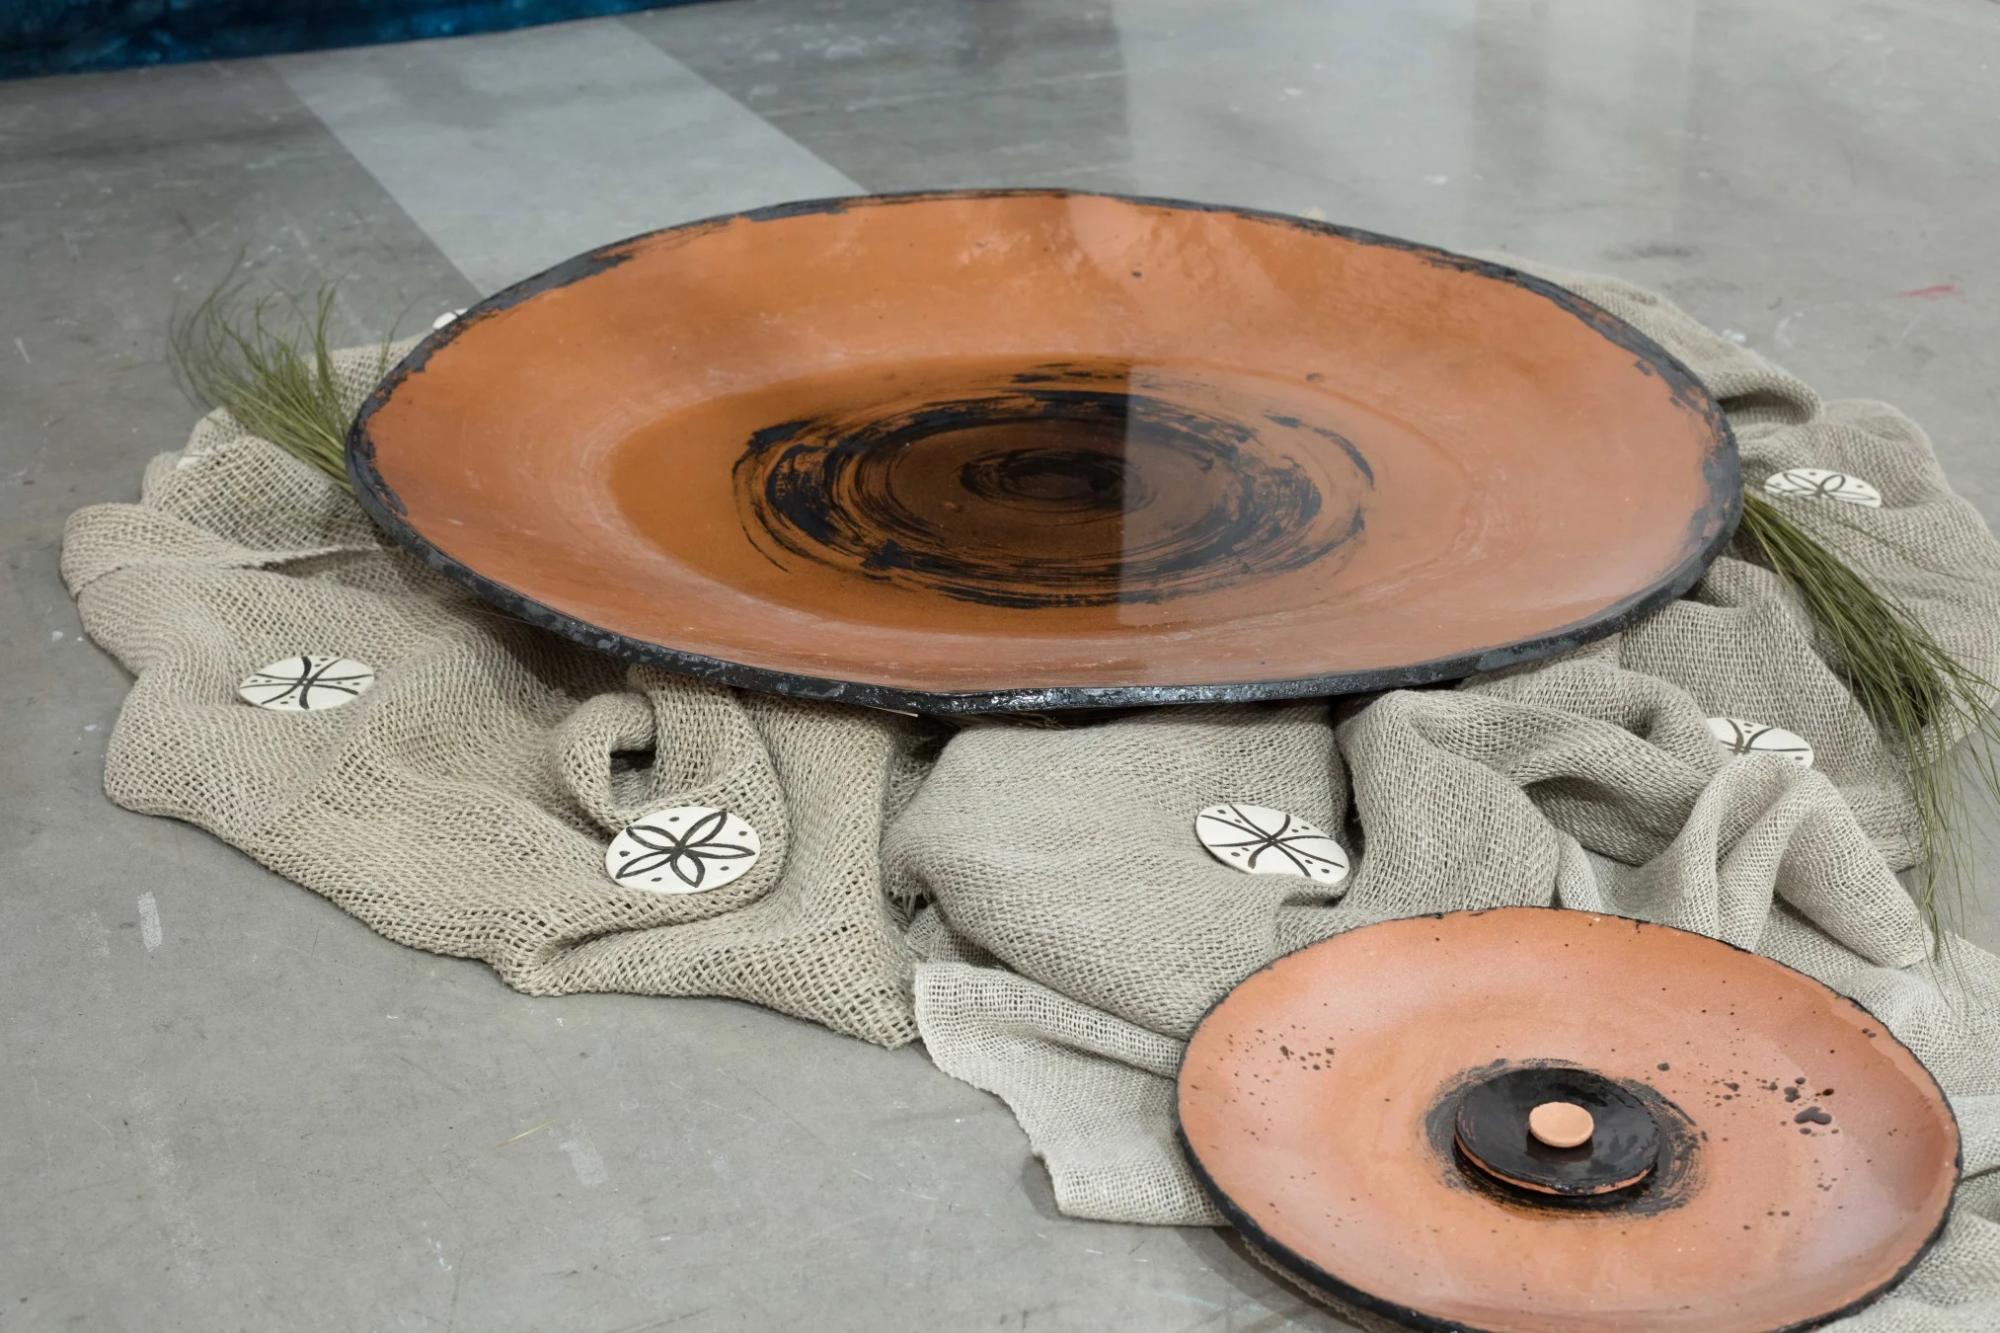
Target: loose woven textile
(1031,900)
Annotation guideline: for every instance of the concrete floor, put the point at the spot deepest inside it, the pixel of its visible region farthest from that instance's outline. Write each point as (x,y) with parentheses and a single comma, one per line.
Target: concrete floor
(243,1110)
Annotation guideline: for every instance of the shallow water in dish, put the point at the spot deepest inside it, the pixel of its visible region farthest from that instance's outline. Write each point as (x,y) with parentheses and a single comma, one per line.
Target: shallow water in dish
(1011,484)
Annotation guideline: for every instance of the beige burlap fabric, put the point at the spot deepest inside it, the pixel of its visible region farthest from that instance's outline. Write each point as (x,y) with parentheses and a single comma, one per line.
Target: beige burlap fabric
(464,804)
(1067,929)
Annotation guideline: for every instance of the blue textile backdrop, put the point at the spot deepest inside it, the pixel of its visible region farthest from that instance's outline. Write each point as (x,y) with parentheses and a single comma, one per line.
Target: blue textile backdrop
(69,36)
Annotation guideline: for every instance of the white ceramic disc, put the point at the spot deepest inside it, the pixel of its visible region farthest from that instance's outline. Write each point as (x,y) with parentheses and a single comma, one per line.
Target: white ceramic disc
(311,683)
(1843,486)
(1741,737)
(684,849)
(1261,841)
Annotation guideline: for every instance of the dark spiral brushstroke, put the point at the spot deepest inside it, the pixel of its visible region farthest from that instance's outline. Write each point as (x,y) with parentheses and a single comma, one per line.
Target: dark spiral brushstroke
(1056,478)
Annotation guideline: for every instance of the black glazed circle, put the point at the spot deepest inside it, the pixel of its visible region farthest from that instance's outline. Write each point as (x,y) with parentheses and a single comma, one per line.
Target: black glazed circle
(1492,1131)
(1077,491)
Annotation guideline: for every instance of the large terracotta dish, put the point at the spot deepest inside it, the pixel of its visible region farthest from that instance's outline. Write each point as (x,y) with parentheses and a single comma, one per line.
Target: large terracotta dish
(1032,449)
(1808,1159)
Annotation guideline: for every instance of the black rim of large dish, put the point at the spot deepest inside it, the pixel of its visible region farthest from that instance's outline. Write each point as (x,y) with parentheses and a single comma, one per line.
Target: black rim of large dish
(1719,516)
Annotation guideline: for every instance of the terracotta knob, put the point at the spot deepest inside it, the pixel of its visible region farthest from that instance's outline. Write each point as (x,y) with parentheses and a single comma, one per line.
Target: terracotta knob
(1561,1124)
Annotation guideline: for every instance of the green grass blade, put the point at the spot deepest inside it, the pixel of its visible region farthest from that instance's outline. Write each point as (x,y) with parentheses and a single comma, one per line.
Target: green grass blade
(269,364)
(1923,700)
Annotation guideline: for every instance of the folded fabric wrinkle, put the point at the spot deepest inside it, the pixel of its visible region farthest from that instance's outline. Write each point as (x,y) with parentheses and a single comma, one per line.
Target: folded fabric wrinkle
(1031,900)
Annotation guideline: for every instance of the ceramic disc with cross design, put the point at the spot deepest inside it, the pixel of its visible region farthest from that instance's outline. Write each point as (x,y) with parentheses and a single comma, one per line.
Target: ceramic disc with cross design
(308,683)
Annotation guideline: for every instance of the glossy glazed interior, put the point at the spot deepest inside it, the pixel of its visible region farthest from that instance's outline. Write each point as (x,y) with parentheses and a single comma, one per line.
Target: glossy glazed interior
(1308,1099)
(1018,441)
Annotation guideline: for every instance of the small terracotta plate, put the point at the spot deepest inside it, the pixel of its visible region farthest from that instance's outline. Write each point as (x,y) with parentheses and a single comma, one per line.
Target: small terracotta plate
(1033,450)
(1763,1154)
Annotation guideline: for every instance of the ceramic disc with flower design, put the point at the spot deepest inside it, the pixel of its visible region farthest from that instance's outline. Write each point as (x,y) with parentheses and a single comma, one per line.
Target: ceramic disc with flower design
(683,849)
(1825,484)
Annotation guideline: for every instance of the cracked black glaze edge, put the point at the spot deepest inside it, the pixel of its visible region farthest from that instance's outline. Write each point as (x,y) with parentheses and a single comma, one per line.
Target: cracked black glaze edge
(1318,1282)
(1710,529)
